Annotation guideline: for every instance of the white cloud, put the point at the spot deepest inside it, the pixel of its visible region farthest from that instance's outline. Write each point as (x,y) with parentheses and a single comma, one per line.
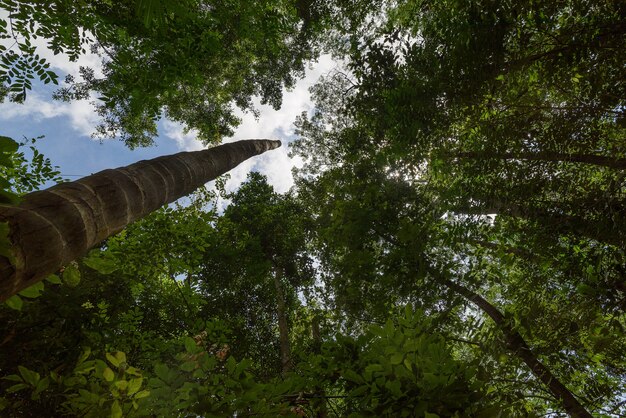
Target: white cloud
(58,61)
(278,124)
(185,141)
(271,124)
(81,114)
(63,63)
(36,108)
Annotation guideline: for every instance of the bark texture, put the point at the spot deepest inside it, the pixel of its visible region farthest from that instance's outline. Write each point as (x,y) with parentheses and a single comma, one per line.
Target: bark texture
(520,348)
(50,228)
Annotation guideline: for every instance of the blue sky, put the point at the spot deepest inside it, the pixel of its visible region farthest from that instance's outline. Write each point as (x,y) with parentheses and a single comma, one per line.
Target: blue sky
(67,128)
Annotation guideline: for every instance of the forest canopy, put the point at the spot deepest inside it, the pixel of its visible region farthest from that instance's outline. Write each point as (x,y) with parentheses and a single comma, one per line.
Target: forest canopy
(453,245)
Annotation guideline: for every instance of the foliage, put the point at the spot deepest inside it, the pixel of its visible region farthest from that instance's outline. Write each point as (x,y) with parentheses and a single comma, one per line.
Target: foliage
(456,232)
(399,369)
(208,57)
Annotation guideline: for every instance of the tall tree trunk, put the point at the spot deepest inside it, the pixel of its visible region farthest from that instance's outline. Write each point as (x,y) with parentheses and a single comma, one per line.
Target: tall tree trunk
(520,348)
(283,326)
(50,228)
(549,156)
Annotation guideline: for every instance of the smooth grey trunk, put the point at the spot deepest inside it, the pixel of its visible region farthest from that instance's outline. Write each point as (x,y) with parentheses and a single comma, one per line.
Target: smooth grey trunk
(50,228)
(283,325)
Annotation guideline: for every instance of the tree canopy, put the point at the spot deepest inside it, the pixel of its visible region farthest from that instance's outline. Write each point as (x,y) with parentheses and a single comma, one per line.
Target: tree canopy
(453,245)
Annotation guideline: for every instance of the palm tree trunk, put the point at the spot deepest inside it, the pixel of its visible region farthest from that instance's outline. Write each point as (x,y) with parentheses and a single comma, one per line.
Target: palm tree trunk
(50,228)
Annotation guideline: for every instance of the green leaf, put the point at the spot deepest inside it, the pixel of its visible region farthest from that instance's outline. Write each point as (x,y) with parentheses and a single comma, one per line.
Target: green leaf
(113,360)
(33,291)
(162,372)
(352,376)
(17,387)
(121,384)
(29,376)
(116,410)
(8,145)
(71,275)
(134,385)
(108,374)
(374,368)
(42,385)
(14,302)
(190,345)
(142,394)
(54,279)
(100,263)
(188,366)
(396,358)
(13,378)
(359,391)
(84,356)
(120,356)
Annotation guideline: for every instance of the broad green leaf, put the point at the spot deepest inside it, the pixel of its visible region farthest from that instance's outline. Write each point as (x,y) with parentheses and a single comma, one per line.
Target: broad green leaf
(359,391)
(190,345)
(42,385)
(18,387)
(396,358)
(188,366)
(29,376)
(352,376)
(116,410)
(8,145)
(54,279)
(374,368)
(14,302)
(100,263)
(120,356)
(113,360)
(134,385)
(162,372)
(121,384)
(84,356)
(13,378)
(108,374)
(142,394)
(71,275)
(33,291)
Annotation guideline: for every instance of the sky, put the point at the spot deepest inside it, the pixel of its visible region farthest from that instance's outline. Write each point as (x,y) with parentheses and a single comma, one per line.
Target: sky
(67,128)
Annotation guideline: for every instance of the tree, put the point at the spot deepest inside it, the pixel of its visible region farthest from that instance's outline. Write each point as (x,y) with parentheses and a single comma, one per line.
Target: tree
(48,229)
(190,60)
(253,279)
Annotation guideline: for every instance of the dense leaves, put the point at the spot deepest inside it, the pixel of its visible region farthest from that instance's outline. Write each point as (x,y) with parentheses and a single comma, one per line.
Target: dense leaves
(454,245)
(189,60)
